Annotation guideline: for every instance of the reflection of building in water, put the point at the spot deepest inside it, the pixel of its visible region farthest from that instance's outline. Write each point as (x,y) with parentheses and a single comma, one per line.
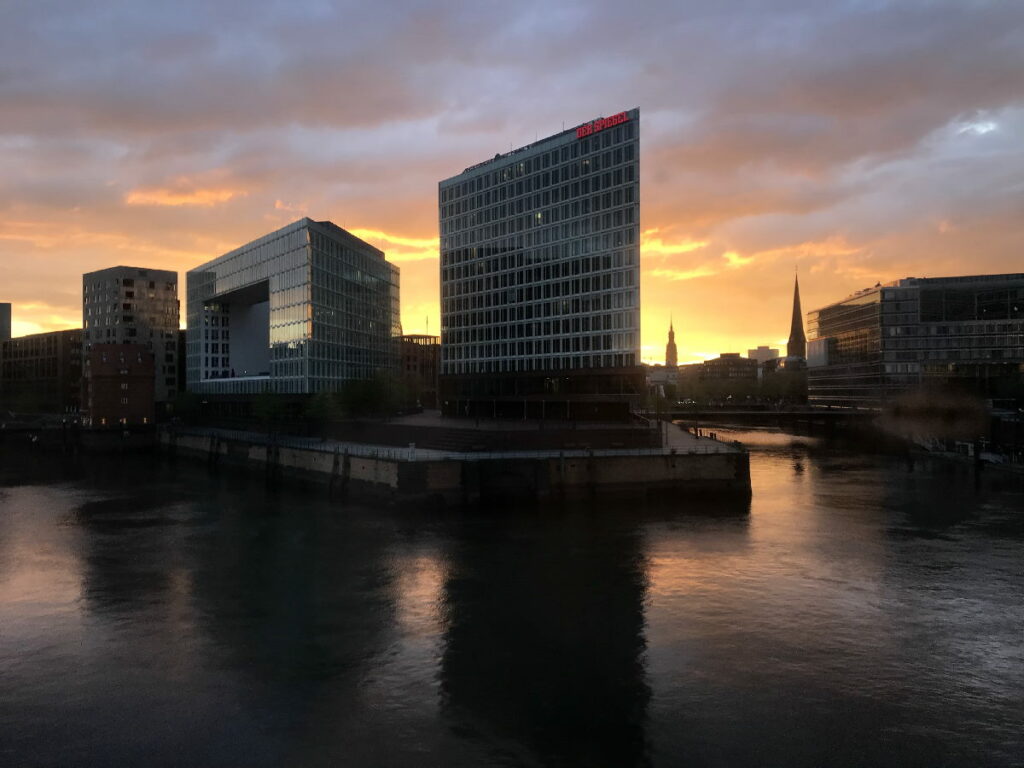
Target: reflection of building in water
(961,333)
(544,641)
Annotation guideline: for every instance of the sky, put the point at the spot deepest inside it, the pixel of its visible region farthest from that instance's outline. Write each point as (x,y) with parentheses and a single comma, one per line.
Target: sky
(855,142)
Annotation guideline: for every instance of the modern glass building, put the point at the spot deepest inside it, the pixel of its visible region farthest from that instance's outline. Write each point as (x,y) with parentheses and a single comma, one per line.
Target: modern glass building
(540,271)
(297,311)
(961,333)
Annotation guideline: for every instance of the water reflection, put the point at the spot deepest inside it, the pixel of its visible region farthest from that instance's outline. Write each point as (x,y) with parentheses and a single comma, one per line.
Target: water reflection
(857,610)
(544,639)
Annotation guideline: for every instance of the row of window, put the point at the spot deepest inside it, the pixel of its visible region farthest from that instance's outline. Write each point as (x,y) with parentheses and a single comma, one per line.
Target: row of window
(122,283)
(549,267)
(554,363)
(564,307)
(557,345)
(538,161)
(554,185)
(462,297)
(558,327)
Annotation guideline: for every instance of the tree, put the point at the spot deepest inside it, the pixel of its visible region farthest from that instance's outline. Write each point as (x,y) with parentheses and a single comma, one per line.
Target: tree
(268,408)
(187,406)
(322,409)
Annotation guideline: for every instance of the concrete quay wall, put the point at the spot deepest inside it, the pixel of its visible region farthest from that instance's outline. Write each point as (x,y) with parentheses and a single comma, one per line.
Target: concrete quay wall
(474,478)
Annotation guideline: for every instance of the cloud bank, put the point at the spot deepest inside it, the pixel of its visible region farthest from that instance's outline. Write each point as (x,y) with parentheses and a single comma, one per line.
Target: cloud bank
(858,141)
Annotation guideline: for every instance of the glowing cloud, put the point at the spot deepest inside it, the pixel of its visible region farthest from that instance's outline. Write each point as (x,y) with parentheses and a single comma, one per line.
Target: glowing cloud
(161,196)
(734,260)
(680,274)
(207,189)
(651,244)
(400,248)
(38,317)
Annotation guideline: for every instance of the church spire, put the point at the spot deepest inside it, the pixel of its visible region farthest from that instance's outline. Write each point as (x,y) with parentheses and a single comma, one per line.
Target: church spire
(671,357)
(797,345)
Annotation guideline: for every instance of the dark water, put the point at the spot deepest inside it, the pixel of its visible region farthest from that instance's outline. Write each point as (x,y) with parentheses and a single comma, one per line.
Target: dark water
(863,613)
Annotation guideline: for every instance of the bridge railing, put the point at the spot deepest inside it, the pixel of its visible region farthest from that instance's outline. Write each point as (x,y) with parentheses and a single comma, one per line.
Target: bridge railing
(412,453)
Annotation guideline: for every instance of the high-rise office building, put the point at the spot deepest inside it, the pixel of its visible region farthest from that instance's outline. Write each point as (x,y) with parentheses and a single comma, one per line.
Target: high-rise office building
(540,273)
(133,305)
(5,321)
(297,311)
(960,333)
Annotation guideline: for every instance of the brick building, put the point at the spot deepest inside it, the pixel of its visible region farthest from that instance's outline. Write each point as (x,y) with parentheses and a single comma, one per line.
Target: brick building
(121,386)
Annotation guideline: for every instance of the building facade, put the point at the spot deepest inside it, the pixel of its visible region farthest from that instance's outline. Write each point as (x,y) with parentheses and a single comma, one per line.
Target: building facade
(540,270)
(5,321)
(42,373)
(135,305)
(297,311)
(121,386)
(960,333)
(421,358)
(729,366)
(763,354)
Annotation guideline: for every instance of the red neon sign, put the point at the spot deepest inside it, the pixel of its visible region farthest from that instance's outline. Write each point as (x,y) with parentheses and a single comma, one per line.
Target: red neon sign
(601,123)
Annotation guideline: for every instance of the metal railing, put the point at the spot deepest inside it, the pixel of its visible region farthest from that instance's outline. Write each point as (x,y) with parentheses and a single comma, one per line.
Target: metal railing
(413,453)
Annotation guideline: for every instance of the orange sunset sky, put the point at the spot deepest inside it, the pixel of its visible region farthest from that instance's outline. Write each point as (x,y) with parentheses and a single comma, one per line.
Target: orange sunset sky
(857,142)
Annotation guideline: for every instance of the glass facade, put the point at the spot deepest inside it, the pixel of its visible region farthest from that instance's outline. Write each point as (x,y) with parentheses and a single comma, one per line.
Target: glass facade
(540,267)
(962,332)
(296,311)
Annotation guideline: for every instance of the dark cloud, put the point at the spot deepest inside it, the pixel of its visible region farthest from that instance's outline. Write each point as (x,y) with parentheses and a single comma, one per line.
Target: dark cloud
(855,138)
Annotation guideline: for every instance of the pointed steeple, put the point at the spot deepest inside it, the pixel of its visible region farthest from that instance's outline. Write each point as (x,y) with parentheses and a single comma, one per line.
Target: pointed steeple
(797,344)
(671,357)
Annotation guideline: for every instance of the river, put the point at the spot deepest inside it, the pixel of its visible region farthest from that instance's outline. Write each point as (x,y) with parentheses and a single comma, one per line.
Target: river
(862,611)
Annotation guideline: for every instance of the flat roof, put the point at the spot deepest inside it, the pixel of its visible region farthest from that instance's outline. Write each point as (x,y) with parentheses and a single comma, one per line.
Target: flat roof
(556,139)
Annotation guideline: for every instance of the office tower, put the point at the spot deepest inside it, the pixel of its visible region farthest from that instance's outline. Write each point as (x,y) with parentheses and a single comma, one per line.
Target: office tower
(671,356)
(540,274)
(961,333)
(135,305)
(797,344)
(297,311)
(5,321)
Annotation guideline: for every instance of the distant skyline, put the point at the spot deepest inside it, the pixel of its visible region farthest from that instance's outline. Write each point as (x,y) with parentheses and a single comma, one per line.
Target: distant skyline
(859,141)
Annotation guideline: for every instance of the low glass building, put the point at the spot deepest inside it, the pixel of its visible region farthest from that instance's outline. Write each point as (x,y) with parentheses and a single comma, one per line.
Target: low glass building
(297,311)
(958,333)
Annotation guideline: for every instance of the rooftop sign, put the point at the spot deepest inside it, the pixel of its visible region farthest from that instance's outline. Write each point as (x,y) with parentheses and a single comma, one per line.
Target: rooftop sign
(600,124)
